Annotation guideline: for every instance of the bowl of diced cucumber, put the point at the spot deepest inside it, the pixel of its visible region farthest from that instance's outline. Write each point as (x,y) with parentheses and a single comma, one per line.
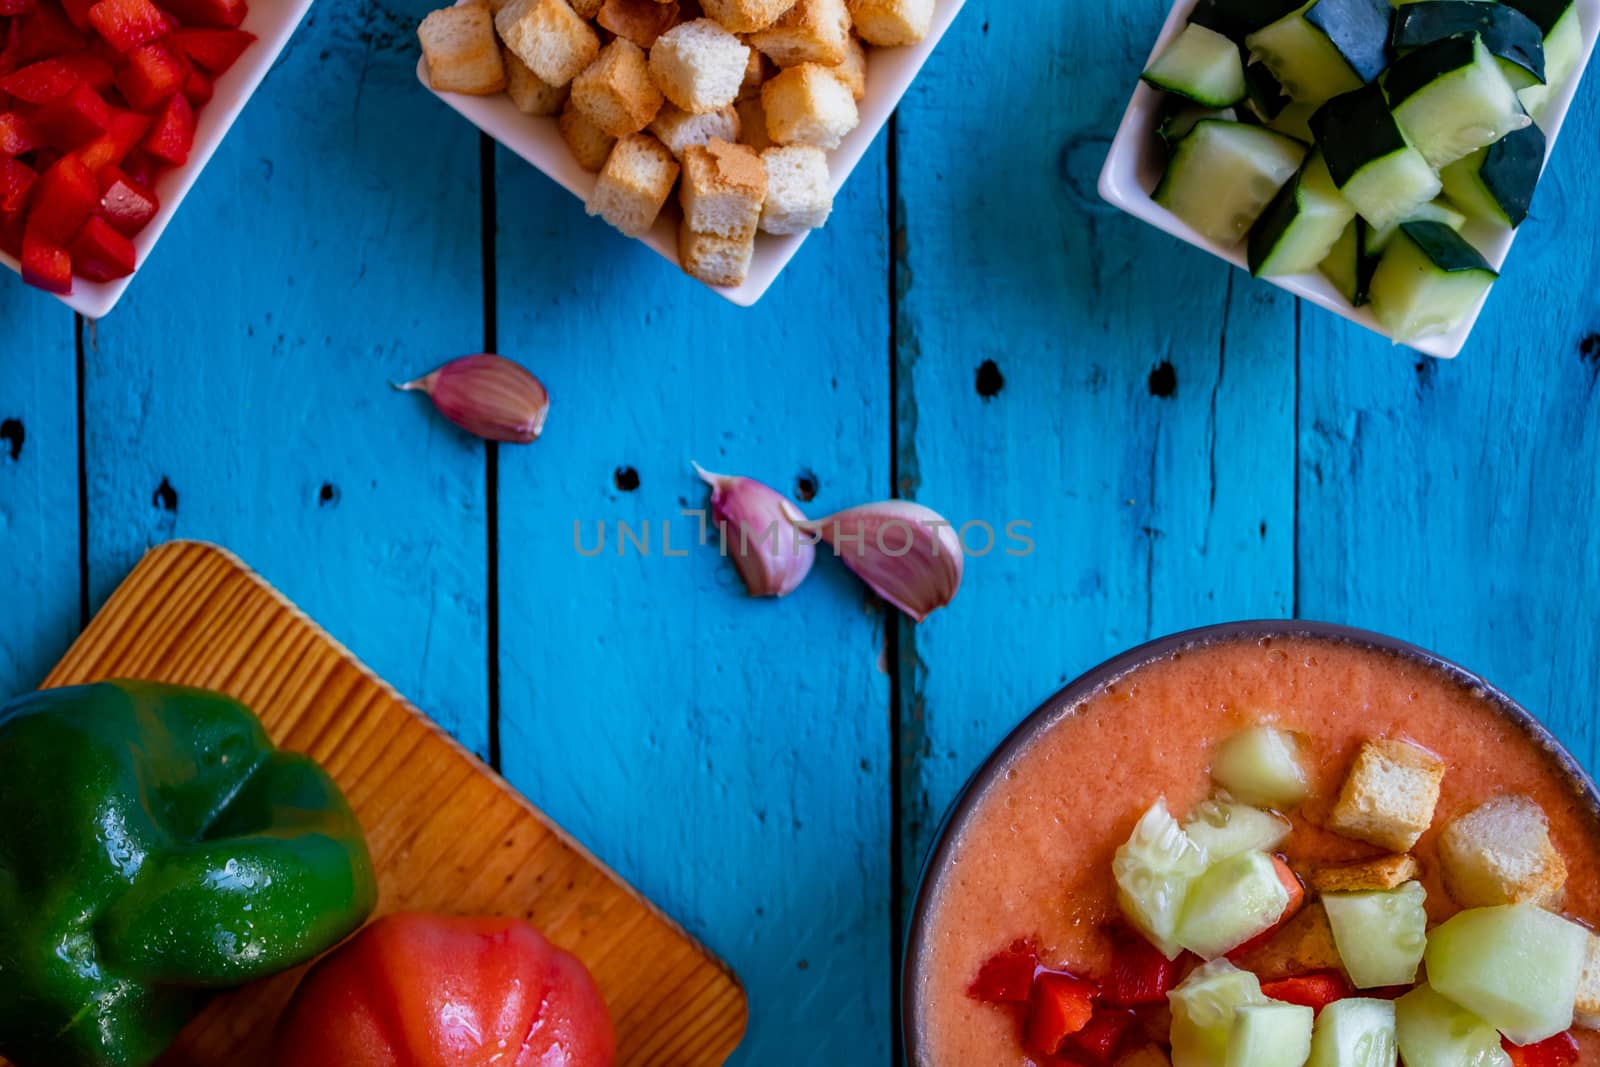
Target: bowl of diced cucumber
(1373,157)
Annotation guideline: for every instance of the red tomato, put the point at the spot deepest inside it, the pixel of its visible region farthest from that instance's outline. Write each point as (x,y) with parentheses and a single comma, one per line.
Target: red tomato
(429,991)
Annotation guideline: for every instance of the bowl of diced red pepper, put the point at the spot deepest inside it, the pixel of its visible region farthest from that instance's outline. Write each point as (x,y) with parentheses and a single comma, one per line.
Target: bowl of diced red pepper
(109,109)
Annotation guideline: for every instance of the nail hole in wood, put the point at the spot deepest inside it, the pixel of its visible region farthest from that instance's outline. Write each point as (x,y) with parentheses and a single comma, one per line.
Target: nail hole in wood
(805,487)
(165,497)
(990,380)
(328,495)
(1164,380)
(625,479)
(13,434)
(1589,349)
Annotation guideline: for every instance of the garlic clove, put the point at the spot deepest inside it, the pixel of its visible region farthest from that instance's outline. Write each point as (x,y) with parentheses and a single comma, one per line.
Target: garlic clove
(907,553)
(759,531)
(487,395)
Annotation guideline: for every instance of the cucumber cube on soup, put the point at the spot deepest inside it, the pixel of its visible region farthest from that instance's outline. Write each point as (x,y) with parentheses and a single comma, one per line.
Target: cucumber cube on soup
(1154,870)
(1434,1031)
(1380,934)
(1204,1006)
(1451,99)
(1355,1032)
(1518,967)
(1270,1035)
(1261,765)
(1223,827)
(1234,901)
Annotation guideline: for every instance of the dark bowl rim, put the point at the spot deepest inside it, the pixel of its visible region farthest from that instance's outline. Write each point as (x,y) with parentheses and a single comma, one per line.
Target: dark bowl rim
(1073,693)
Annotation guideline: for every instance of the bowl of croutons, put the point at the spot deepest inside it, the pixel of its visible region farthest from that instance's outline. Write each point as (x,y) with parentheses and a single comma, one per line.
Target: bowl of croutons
(753,111)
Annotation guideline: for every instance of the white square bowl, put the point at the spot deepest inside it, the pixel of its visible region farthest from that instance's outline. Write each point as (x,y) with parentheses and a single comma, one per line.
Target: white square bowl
(273,22)
(890,72)
(1137,159)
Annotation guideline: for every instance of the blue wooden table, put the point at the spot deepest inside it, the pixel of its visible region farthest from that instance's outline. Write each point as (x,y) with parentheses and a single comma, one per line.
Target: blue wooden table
(974,330)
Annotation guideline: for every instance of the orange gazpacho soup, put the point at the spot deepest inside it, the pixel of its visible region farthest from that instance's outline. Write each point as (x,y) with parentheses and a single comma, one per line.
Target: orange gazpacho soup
(1033,857)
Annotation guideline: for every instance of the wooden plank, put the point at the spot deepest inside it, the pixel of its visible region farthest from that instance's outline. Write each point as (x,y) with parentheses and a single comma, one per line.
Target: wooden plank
(1065,366)
(1454,503)
(38,484)
(729,756)
(240,393)
(446,834)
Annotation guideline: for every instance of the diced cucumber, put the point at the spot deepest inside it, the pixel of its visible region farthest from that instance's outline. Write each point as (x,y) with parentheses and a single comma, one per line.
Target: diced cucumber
(1224,828)
(1270,1035)
(1355,1032)
(1204,1006)
(1232,902)
(1427,282)
(1298,228)
(1180,116)
(1224,174)
(1497,183)
(1261,765)
(1434,1031)
(1380,934)
(1514,39)
(1154,871)
(1373,241)
(1561,24)
(1201,65)
(1326,47)
(1346,268)
(1239,18)
(1452,99)
(1382,175)
(1517,967)
(1264,91)
(1295,121)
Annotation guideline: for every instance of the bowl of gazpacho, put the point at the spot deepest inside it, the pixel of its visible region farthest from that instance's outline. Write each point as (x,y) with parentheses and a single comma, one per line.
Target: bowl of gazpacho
(1267,844)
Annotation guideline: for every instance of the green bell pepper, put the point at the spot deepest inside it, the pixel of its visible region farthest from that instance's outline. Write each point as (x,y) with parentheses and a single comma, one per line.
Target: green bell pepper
(155,847)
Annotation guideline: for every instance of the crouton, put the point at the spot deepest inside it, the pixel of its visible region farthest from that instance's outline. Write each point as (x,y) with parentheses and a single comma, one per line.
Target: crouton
(1389,796)
(1304,943)
(755,73)
(532,94)
(853,71)
(753,124)
(634,184)
(587,9)
(812,31)
(892,23)
(616,91)
(1500,853)
(590,145)
(640,21)
(459,45)
(799,191)
(550,37)
(1385,872)
(724,186)
(678,129)
(807,105)
(715,260)
(1587,1011)
(745,16)
(699,65)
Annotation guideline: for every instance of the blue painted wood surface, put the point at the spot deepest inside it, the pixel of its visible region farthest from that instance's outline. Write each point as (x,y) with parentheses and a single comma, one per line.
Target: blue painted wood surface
(974,330)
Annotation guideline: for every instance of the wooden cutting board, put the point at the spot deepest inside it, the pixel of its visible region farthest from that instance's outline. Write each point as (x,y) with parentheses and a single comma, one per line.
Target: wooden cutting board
(447,834)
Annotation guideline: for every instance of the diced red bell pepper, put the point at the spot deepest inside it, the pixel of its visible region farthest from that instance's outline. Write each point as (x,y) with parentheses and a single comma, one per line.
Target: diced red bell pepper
(16,178)
(172,133)
(74,120)
(212,50)
(64,197)
(219,14)
(127,129)
(1559,1051)
(93,70)
(11,230)
(45,265)
(1139,973)
(41,82)
(16,7)
(17,134)
(152,76)
(127,24)
(43,33)
(1058,1007)
(1101,1040)
(77,12)
(1007,977)
(126,204)
(10,46)
(143,168)
(198,87)
(100,253)
(1315,990)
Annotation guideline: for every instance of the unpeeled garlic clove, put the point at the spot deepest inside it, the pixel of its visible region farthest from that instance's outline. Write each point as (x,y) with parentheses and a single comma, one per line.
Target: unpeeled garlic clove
(758,527)
(907,553)
(488,395)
